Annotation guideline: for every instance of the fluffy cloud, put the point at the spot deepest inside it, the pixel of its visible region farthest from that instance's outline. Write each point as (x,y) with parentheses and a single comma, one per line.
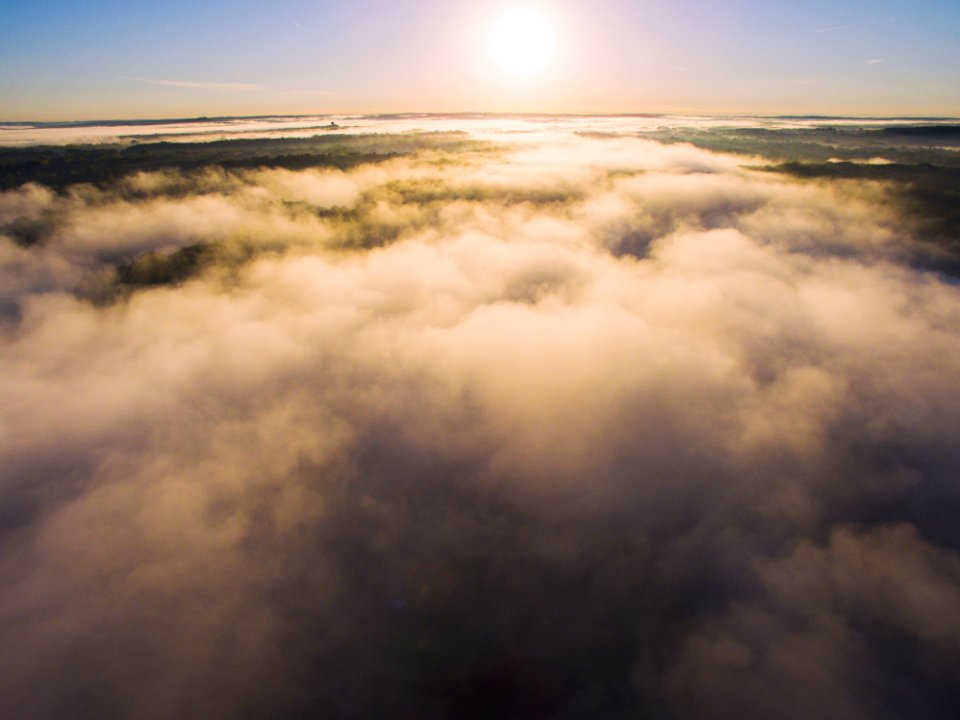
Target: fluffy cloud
(582,428)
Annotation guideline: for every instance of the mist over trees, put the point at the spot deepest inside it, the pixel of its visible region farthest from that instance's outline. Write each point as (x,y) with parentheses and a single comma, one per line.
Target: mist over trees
(573,424)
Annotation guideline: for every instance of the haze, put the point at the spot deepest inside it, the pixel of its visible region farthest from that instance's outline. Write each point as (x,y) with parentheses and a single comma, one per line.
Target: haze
(351,370)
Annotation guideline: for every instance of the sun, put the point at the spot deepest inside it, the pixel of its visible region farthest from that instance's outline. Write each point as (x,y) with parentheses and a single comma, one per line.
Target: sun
(522,42)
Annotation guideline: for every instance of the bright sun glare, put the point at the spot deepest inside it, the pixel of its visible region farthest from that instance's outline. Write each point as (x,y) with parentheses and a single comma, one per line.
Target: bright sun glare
(522,42)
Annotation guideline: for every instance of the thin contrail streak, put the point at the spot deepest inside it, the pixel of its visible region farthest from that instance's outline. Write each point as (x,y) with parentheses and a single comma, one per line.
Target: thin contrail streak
(851,27)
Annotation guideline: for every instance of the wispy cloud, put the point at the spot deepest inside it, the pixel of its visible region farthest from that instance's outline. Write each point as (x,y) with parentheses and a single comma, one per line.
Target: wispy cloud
(837,28)
(803,81)
(312,93)
(200,85)
(875,61)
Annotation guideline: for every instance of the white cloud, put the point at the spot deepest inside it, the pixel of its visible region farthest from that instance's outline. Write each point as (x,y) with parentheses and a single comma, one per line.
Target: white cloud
(641,418)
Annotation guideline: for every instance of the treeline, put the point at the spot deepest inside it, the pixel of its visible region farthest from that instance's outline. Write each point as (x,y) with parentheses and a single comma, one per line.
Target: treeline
(59,167)
(903,144)
(927,193)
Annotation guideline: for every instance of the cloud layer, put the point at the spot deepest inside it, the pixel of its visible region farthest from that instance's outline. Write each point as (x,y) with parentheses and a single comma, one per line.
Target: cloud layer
(582,428)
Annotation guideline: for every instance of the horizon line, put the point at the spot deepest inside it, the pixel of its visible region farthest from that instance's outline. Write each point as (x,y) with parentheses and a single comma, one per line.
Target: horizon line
(120,121)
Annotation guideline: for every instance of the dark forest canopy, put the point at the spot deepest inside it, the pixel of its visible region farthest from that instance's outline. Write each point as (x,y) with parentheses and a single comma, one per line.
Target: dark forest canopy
(59,167)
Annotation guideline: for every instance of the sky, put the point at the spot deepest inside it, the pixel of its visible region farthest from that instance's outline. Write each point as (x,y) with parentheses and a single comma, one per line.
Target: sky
(74,60)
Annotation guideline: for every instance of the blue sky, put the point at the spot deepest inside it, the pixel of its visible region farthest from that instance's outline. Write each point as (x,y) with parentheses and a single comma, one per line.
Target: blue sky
(105,58)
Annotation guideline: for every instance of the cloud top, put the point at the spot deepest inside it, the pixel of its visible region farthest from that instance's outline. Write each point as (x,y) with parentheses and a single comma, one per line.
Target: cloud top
(575,428)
